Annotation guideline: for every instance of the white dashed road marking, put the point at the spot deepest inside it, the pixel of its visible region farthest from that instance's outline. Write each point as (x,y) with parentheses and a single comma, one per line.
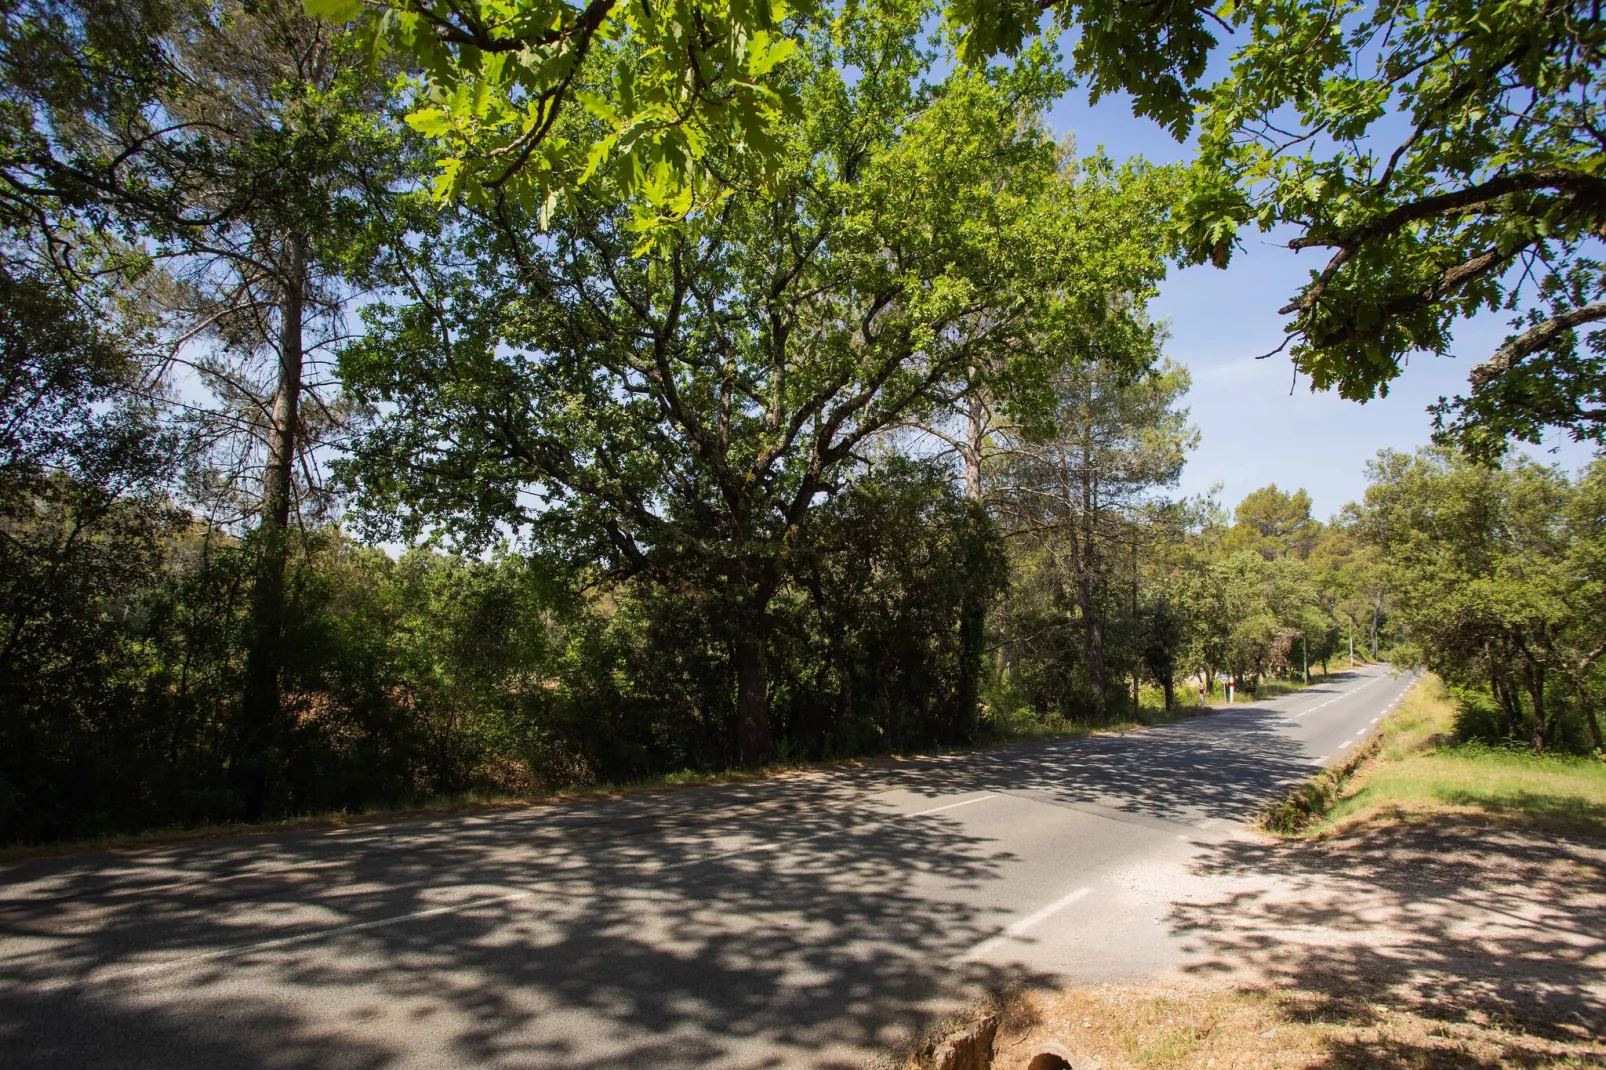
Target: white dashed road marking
(1022,925)
(952,806)
(1335,698)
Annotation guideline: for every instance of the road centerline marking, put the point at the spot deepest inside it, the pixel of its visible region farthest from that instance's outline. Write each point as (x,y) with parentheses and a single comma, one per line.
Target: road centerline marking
(953,806)
(1019,926)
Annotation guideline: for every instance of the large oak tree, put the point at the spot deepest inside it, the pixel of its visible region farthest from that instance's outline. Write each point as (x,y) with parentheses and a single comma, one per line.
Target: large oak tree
(683,417)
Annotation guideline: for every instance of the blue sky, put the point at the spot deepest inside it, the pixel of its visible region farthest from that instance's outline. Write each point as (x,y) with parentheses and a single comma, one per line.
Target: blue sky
(1253,432)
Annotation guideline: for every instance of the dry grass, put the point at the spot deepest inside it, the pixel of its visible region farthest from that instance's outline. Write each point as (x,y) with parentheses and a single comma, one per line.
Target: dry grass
(1169,1025)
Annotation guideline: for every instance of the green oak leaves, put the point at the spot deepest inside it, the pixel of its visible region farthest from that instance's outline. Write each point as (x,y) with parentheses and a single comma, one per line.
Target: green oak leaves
(685,418)
(668,90)
(1155,50)
(1444,157)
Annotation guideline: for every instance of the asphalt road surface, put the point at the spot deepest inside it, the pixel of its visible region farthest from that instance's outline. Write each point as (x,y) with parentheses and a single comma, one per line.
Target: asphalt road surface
(806,920)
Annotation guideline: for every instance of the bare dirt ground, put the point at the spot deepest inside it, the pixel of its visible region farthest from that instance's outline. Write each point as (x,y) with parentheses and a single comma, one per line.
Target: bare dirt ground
(1416,944)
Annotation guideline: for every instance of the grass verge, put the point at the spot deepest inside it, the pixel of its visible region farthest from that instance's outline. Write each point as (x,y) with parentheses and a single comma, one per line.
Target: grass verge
(1412,768)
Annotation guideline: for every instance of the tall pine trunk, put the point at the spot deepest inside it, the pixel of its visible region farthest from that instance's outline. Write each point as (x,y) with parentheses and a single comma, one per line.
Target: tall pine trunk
(261,737)
(972,454)
(973,610)
(1092,637)
(1092,615)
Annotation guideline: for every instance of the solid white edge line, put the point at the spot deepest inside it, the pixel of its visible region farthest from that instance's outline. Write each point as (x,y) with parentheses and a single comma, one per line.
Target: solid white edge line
(1021,925)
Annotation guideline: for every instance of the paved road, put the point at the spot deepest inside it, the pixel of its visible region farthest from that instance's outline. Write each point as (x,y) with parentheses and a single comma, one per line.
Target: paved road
(807,920)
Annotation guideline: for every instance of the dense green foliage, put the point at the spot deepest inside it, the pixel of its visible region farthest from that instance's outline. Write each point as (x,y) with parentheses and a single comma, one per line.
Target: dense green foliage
(437,674)
(685,419)
(740,385)
(1498,575)
(1447,155)
(731,558)
(1114,585)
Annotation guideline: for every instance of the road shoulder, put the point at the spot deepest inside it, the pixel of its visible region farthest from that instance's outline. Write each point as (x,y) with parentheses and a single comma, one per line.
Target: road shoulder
(1416,923)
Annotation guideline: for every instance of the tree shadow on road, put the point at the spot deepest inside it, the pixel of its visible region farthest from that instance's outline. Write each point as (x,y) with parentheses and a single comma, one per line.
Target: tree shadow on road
(800,920)
(636,939)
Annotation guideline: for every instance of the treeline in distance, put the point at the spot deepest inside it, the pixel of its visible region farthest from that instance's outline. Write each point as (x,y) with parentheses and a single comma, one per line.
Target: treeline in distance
(807,408)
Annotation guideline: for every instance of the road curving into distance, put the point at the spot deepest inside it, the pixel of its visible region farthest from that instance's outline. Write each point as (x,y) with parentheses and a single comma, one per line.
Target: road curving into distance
(805,920)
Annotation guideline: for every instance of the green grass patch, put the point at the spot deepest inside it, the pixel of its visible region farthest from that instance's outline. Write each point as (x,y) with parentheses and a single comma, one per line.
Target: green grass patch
(1415,768)
(1560,794)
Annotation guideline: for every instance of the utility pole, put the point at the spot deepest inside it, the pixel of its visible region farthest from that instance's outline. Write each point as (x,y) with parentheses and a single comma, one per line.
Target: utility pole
(1352,642)
(1304,657)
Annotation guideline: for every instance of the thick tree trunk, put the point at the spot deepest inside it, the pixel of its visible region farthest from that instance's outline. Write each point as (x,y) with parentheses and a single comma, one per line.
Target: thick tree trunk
(973,612)
(1506,695)
(754,743)
(261,742)
(1168,684)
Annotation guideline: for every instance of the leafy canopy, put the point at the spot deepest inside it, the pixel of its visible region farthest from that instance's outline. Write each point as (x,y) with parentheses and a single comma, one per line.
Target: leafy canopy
(1498,575)
(1155,50)
(663,85)
(673,87)
(1448,157)
(685,417)
(910,233)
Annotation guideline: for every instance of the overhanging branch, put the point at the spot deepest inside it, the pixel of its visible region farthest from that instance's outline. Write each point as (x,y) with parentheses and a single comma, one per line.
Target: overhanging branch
(1532,341)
